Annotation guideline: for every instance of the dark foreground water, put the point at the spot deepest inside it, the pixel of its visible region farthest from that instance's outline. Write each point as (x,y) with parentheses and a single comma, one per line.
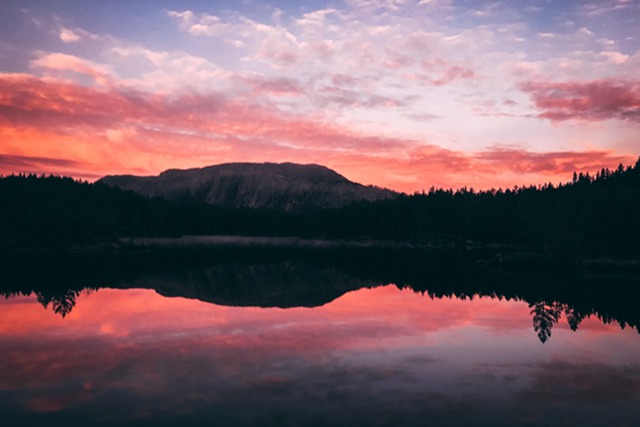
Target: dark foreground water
(232,352)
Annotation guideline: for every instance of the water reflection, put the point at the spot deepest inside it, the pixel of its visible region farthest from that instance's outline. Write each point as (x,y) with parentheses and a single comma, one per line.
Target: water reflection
(284,279)
(282,338)
(544,315)
(376,356)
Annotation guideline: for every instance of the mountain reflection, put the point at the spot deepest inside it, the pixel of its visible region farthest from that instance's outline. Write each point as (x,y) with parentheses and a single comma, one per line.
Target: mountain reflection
(448,345)
(287,279)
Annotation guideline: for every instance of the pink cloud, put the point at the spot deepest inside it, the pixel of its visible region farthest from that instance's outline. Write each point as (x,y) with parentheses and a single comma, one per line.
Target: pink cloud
(593,101)
(555,163)
(344,80)
(440,72)
(281,86)
(62,63)
(451,74)
(398,62)
(350,98)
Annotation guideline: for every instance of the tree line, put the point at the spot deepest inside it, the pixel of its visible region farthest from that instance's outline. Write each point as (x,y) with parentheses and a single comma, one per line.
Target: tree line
(591,212)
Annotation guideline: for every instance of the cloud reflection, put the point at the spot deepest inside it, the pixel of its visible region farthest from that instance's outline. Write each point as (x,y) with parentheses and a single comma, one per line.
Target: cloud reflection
(407,355)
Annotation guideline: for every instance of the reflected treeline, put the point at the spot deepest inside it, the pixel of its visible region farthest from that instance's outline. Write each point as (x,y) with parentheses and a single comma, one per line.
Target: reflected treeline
(546,315)
(61,302)
(552,285)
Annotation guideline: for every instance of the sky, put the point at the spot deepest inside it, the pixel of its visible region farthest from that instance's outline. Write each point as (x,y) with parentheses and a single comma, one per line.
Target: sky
(404,94)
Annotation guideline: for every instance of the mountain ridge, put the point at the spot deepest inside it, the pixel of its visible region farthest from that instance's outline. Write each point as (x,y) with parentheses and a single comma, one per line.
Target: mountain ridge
(277,186)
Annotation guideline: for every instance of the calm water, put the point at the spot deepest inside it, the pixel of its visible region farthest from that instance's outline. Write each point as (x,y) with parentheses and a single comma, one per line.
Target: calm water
(371,356)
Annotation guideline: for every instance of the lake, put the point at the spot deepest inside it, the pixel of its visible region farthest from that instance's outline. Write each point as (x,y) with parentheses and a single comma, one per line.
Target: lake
(281,340)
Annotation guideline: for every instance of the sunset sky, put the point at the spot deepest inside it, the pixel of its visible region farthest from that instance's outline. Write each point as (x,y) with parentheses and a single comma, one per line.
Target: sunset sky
(405,94)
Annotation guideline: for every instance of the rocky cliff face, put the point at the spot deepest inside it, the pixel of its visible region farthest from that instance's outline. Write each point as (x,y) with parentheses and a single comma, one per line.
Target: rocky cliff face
(280,186)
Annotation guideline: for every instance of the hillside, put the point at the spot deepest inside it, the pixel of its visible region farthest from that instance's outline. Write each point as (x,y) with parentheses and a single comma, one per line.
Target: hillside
(277,186)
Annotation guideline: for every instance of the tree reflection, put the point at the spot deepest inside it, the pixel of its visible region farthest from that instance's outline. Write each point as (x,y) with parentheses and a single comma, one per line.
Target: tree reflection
(545,315)
(62,303)
(574,317)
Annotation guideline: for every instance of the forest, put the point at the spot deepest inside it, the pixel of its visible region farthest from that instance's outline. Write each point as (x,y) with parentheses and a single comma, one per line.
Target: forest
(591,213)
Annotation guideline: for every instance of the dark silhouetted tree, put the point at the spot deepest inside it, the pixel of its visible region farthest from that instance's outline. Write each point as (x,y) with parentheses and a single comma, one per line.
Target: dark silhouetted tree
(545,316)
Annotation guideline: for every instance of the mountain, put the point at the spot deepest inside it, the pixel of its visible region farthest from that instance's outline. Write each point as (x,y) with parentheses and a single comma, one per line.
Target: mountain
(278,186)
